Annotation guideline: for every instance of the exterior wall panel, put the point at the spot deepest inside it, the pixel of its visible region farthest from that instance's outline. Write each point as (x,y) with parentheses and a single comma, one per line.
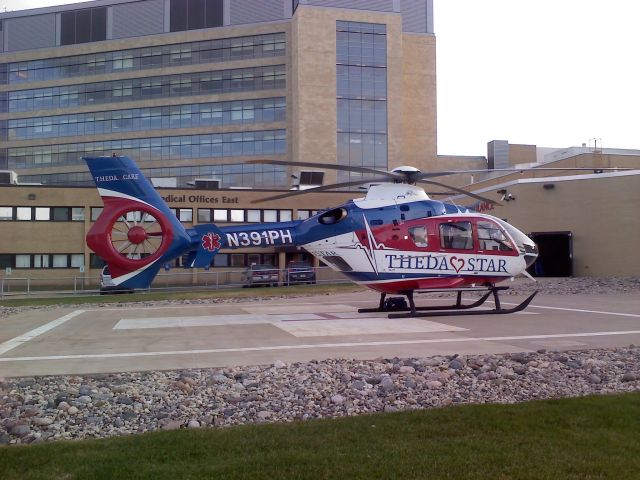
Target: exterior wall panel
(253,11)
(27,33)
(414,16)
(138,19)
(377,5)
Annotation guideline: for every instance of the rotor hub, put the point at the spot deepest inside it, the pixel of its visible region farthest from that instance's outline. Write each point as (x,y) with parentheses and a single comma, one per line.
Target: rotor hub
(137,235)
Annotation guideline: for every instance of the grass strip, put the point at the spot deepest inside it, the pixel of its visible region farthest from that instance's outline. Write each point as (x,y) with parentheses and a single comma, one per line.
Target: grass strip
(581,438)
(263,292)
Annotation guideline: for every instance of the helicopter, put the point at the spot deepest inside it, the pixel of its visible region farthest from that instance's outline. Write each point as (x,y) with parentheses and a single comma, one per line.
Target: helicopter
(395,240)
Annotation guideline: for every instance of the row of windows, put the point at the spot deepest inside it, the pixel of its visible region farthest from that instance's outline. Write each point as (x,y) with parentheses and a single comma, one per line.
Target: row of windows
(236,144)
(152,118)
(226,215)
(230,175)
(362,116)
(56,214)
(204,215)
(192,53)
(41,260)
(214,82)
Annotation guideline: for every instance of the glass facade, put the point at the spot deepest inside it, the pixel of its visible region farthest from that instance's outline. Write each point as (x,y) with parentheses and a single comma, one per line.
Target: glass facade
(230,175)
(361,70)
(177,148)
(239,112)
(192,53)
(201,83)
(74,104)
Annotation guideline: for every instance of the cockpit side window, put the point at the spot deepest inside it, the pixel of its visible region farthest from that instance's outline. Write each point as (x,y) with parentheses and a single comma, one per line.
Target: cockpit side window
(492,238)
(456,235)
(419,236)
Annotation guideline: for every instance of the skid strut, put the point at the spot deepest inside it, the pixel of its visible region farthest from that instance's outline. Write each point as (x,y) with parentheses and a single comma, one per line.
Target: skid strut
(450,310)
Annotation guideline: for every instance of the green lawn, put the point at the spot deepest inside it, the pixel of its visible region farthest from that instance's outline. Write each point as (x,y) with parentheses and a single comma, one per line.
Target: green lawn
(318,289)
(586,438)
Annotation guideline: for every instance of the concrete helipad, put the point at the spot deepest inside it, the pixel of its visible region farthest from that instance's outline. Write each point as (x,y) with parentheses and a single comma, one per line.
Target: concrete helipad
(116,339)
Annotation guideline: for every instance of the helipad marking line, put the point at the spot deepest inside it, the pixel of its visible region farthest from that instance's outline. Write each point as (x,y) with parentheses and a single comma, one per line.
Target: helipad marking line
(320,345)
(582,311)
(25,337)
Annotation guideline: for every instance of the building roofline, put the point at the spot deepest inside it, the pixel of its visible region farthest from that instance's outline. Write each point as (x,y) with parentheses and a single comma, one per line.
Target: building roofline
(61,8)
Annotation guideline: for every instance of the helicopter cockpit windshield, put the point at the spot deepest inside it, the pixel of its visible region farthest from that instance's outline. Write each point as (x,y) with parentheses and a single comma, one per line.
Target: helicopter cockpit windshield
(525,245)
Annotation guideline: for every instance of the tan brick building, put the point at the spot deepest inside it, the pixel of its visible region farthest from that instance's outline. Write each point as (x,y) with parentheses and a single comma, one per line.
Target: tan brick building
(192,90)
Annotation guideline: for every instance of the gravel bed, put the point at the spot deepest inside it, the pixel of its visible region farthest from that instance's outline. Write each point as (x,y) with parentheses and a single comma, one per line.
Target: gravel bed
(51,408)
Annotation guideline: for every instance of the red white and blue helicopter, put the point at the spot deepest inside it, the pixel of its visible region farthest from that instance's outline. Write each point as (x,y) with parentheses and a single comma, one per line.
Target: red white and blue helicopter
(395,240)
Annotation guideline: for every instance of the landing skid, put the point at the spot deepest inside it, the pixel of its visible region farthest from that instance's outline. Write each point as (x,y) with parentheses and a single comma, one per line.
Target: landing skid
(450,310)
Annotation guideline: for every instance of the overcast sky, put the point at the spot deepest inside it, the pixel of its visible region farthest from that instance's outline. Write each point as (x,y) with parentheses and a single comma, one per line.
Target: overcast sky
(554,73)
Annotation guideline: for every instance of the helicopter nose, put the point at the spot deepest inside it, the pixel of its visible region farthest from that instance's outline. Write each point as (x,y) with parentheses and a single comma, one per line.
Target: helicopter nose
(530,253)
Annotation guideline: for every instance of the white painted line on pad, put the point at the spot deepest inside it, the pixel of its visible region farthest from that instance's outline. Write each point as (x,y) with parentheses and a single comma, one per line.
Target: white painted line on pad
(25,337)
(312,346)
(635,315)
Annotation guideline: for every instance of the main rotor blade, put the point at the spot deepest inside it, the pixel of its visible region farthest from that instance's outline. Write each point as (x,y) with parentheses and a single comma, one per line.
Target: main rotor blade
(459,190)
(322,188)
(342,168)
(514,170)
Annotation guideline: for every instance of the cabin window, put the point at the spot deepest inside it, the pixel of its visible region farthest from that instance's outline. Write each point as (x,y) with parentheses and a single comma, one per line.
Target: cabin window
(492,238)
(456,235)
(419,235)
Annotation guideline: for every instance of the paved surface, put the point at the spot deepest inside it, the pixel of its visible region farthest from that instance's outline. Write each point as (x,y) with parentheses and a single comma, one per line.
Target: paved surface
(117,339)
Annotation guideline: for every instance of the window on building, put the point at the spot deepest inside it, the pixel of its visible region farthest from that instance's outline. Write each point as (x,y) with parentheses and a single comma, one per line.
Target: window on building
(82,26)
(23,213)
(5,260)
(237,215)
(77,214)
(61,214)
(304,214)
(77,260)
(96,261)
(204,215)
(237,260)
(221,260)
(41,261)
(270,215)
(186,215)
(60,261)
(23,261)
(95,213)
(42,213)
(254,216)
(195,14)
(6,213)
(220,215)
(286,215)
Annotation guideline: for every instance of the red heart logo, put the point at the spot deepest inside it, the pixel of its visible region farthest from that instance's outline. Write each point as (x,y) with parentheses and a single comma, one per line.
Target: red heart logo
(459,261)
